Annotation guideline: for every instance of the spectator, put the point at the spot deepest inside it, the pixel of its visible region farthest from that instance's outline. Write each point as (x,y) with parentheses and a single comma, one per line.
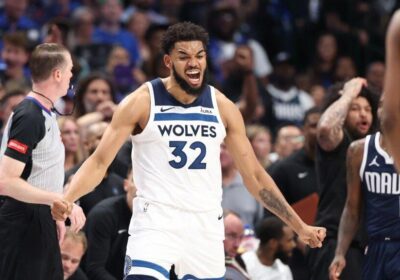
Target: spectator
(289,139)
(91,55)
(318,93)
(325,58)
(138,24)
(126,76)
(270,260)
(261,140)
(73,247)
(235,267)
(107,230)
(154,65)
(242,85)
(288,102)
(58,31)
(83,26)
(110,31)
(225,36)
(146,6)
(70,136)
(61,9)
(345,69)
(375,75)
(7,105)
(15,18)
(15,74)
(95,99)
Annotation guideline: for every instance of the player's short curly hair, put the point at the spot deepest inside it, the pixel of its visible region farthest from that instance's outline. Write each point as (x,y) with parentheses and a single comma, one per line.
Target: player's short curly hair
(183,31)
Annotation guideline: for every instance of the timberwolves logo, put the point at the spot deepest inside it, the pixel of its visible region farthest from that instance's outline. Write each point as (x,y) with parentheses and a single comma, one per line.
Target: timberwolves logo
(127,266)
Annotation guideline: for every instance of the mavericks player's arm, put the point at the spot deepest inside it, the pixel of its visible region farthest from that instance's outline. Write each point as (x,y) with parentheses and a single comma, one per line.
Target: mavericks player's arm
(350,219)
(256,179)
(391,100)
(131,112)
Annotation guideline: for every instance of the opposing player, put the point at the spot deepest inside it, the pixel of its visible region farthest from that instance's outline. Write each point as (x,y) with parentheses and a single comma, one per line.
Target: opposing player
(373,187)
(391,102)
(177,125)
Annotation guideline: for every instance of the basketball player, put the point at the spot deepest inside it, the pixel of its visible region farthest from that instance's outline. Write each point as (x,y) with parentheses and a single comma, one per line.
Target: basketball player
(373,186)
(32,173)
(391,102)
(177,125)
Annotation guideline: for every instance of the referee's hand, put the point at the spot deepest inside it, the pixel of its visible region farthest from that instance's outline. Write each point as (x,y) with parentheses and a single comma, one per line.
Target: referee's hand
(77,218)
(61,209)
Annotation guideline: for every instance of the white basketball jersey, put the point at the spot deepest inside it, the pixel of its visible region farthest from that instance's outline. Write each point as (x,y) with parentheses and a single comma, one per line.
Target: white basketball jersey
(176,158)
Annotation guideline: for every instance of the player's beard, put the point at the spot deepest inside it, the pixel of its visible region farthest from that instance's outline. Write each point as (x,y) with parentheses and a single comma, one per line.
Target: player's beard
(195,91)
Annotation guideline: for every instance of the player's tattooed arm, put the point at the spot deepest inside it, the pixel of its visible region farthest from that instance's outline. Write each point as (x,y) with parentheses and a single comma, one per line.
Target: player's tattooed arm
(275,203)
(330,126)
(350,219)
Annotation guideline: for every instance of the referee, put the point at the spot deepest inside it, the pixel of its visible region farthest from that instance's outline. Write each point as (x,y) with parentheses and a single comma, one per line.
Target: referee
(32,173)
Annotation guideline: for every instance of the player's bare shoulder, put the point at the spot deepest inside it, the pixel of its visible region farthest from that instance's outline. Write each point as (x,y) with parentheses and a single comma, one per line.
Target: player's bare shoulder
(355,151)
(135,107)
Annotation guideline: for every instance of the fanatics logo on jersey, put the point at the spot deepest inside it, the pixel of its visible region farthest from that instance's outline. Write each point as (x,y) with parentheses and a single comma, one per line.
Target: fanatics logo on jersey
(17,146)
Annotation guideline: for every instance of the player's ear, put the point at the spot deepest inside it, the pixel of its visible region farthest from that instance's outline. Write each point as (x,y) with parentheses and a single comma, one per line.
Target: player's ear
(168,61)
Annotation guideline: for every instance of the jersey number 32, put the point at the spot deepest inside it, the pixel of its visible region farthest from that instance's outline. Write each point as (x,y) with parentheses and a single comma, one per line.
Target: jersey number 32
(182,159)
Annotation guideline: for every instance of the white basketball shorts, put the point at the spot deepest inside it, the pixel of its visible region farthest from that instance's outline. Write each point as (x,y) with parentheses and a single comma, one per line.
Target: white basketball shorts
(162,236)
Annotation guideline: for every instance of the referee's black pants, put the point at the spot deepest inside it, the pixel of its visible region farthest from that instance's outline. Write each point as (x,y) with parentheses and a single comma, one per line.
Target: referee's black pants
(29,246)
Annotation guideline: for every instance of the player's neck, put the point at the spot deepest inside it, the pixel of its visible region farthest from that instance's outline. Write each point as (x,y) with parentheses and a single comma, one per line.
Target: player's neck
(177,92)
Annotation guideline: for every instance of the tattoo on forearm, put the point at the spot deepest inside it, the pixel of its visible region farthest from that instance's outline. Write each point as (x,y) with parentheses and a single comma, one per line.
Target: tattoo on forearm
(274,203)
(336,130)
(334,117)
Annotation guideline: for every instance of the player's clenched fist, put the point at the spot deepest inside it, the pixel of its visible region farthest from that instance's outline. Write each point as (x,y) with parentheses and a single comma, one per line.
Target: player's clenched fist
(313,236)
(61,209)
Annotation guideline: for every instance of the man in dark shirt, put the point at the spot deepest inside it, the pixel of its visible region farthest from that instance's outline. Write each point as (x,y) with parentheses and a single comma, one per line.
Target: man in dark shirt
(351,116)
(296,173)
(297,180)
(107,231)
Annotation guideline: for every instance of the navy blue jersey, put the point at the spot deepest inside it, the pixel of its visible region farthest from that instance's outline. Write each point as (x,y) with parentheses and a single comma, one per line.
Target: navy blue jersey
(381,189)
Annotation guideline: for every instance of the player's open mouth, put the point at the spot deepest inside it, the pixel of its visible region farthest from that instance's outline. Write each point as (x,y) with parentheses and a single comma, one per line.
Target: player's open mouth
(193,75)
